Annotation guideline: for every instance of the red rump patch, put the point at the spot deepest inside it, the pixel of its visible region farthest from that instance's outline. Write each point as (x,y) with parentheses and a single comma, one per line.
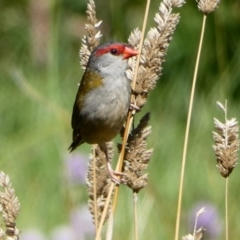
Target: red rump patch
(118,47)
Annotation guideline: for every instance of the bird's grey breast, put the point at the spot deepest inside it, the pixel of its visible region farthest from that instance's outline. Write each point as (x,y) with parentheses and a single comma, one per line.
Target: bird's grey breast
(109,103)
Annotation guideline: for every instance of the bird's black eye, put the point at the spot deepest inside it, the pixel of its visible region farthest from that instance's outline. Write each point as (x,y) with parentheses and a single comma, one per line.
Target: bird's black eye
(114,51)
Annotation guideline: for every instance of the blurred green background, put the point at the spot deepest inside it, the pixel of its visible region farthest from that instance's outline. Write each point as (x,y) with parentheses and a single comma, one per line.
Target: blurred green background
(39,72)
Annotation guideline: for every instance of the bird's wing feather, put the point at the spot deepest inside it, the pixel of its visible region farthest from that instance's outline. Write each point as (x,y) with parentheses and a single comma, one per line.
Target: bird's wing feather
(90,81)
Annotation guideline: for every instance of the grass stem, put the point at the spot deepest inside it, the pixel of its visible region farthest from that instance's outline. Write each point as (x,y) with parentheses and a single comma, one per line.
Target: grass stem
(135,199)
(98,235)
(226,208)
(187,130)
(95,189)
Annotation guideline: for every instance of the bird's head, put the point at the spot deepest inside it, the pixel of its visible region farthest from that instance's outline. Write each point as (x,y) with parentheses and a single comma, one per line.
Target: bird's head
(111,58)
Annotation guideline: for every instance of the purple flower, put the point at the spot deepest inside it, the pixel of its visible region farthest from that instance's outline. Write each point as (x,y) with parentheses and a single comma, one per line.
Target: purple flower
(32,234)
(64,232)
(210,220)
(76,168)
(80,227)
(81,222)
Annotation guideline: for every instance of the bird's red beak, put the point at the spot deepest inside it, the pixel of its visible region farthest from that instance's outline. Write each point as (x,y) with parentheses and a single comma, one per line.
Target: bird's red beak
(129,52)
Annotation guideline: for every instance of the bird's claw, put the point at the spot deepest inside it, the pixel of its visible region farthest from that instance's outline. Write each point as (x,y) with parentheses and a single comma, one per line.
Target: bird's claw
(134,107)
(115,175)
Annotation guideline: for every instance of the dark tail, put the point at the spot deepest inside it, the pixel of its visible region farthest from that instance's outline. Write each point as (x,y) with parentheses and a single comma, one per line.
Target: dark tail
(76,142)
(73,146)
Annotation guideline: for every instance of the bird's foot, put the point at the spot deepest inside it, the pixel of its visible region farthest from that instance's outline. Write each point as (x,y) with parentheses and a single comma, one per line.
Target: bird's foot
(134,107)
(115,175)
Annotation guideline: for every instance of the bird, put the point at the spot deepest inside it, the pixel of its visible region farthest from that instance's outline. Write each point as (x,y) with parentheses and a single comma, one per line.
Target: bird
(103,98)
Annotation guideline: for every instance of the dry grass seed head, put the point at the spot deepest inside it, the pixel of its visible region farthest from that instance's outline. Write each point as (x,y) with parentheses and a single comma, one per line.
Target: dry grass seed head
(152,56)
(93,37)
(103,179)
(226,146)
(199,235)
(154,50)
(137,156)
(207,6)
(10,207)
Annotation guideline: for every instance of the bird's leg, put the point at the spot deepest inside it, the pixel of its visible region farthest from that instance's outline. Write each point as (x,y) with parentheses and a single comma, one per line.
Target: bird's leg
(112,173)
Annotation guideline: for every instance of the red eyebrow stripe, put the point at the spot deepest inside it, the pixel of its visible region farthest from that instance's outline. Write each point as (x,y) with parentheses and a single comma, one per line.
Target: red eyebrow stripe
(106,49)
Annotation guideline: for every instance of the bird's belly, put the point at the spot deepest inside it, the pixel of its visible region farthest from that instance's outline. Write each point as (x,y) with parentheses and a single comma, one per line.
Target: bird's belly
(98,131)
(104,123)
(97,134)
